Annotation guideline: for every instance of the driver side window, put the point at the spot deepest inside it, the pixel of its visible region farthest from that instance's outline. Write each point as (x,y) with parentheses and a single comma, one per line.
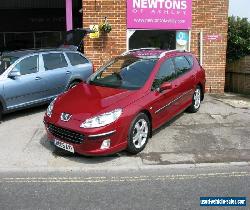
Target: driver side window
(28,65)
(166,73)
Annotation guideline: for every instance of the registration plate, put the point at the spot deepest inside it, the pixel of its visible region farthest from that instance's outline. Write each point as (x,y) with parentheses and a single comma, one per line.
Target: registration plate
(64,146)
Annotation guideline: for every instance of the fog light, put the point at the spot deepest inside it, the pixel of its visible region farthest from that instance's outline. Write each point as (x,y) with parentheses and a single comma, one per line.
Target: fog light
(105,144)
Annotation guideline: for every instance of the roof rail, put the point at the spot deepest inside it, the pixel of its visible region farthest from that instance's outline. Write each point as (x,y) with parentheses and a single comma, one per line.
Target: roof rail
(168,51)
(134,50)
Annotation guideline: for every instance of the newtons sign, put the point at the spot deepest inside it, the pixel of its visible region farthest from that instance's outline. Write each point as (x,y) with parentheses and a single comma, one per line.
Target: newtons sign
(159,14)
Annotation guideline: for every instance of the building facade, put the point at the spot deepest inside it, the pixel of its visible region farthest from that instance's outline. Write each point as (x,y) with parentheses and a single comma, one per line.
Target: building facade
(37,24)
(196,25)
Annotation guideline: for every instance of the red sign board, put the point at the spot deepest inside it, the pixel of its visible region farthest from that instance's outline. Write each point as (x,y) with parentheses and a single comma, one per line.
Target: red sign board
(213,37)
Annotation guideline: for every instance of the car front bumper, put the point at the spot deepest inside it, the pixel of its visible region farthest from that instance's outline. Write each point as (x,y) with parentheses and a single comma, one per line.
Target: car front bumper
(92,139)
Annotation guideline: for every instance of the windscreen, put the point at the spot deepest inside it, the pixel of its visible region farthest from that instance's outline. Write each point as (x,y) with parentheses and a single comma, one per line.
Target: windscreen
(5,62)
(125,73)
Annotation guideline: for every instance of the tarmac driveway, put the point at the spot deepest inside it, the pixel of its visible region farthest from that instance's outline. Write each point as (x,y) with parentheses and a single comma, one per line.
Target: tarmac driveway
(219,132)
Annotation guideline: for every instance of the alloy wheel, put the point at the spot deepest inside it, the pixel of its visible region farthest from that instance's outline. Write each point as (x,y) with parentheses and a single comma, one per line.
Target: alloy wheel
(140,133)
(197,98)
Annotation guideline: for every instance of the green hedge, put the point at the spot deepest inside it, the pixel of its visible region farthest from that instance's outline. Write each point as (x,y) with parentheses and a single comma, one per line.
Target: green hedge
(238,38)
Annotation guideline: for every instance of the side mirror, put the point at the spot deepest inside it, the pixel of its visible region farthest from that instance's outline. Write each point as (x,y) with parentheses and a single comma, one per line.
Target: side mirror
(166,86)
(14,74)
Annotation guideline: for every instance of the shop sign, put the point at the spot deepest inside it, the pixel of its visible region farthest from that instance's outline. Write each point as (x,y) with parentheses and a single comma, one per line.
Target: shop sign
(159,14)
(95,35)
(213,37)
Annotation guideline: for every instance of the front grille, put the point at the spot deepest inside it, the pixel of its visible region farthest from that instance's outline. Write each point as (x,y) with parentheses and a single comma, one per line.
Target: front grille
(65,134)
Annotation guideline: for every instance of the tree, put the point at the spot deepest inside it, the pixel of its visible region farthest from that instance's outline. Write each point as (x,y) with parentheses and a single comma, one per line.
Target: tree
(238,38)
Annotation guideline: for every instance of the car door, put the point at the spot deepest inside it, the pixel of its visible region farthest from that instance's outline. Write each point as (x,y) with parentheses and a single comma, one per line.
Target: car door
(81,68)
(28,87)
(185,79)
(56,73)
(163,102)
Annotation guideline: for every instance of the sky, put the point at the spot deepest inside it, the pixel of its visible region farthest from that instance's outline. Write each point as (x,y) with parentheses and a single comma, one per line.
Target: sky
(239,8)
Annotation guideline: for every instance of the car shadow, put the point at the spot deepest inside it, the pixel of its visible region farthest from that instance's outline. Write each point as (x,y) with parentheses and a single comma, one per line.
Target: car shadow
(167,124)
(23,113)
(57,152)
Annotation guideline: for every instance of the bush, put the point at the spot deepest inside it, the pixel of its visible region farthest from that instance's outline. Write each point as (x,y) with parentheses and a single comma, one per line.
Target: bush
(238,38)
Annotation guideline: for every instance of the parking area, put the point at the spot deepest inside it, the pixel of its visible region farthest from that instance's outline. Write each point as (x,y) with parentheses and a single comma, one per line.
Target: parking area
(219,132)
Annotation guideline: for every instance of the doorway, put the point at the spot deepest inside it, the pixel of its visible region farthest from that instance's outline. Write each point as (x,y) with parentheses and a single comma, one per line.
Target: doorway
(162,39)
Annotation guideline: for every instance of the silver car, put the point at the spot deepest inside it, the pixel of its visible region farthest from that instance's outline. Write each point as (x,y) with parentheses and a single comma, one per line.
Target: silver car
(33,77)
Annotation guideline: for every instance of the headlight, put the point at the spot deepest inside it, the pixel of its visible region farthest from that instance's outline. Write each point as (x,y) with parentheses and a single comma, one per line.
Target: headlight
(50,108)
(102,120)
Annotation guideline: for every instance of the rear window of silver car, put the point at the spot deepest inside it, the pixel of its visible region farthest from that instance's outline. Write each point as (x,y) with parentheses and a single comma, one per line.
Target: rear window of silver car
(76,59)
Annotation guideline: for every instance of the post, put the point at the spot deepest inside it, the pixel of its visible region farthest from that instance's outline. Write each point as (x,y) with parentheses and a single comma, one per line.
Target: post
(189,41)
(4,41)
(69,17)
(34,39)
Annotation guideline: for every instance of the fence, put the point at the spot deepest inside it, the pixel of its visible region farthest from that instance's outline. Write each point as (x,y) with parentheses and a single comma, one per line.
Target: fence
(36,39)
(238,76)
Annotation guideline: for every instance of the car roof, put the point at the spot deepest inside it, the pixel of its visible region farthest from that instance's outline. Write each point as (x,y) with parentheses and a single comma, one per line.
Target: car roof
(21,53)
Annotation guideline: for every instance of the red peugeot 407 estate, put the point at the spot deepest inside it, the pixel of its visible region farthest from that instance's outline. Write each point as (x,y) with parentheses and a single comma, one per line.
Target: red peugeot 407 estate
(120,105)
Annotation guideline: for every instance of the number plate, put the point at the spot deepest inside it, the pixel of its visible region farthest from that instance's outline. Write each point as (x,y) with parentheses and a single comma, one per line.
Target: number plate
(64,146)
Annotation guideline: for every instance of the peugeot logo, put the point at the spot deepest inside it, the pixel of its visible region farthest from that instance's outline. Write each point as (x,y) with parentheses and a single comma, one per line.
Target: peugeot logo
(65,117)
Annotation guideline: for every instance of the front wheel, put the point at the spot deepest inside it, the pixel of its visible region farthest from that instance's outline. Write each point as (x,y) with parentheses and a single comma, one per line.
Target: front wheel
(138,134)
(196,101)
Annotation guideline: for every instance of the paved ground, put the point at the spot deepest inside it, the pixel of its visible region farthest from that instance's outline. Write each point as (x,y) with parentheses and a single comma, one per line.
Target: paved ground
(142,189)
(219,132)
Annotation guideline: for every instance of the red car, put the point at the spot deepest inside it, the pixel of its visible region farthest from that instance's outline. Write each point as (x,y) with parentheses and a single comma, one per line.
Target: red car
(120,105)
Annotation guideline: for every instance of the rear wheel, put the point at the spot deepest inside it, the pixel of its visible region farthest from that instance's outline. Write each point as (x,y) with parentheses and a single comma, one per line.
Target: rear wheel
(1,112)
(196,102)
(138,134)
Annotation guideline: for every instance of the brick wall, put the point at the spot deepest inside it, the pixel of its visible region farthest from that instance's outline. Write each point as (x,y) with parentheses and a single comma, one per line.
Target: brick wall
(208,15)
(102,49)
(211,17)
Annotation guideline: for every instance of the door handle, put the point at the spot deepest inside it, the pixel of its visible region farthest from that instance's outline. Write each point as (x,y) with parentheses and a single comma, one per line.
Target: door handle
(68,72)
(38,78)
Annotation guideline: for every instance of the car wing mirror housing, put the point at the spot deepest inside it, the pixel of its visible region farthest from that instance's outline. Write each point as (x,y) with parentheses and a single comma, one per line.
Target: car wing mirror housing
(165,86)
(14,74)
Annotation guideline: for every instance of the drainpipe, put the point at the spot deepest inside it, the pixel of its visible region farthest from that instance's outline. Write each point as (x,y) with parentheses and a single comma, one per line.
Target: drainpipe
(69,17)
(201,48)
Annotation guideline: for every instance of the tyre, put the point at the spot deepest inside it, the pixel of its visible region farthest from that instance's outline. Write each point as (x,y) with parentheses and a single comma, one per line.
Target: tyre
(139,133)
(73,84)
(1,113)
(196,102)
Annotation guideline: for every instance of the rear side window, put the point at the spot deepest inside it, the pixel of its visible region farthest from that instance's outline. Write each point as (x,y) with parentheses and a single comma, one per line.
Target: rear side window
(166,73)
(28,65)
(182,65)
(76,59)
(54,61)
